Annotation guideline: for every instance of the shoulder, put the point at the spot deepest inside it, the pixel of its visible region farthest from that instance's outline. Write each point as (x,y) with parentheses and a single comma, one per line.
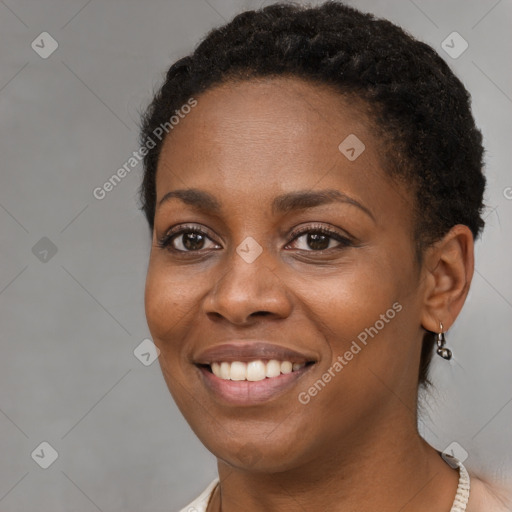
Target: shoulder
(200,504)
(487,497)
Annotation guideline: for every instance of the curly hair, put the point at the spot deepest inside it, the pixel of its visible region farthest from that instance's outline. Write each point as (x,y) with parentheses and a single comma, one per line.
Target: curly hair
(420,110)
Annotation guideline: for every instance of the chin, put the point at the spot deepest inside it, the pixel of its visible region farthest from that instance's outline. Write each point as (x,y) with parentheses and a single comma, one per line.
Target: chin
(257,457)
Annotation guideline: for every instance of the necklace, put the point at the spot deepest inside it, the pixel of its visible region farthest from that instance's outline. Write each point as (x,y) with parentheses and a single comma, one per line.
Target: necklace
(461,497)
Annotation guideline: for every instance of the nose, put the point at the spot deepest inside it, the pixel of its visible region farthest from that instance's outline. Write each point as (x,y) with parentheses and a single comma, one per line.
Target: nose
(243,291)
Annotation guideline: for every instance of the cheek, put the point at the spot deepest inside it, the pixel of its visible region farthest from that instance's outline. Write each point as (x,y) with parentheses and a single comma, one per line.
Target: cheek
(170,301)
(366,320)
(352,296)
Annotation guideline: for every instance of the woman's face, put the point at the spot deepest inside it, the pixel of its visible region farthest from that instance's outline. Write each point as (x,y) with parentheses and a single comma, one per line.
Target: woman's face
(263,283)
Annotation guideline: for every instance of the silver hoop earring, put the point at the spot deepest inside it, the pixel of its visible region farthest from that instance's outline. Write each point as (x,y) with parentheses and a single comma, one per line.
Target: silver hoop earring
(442,350)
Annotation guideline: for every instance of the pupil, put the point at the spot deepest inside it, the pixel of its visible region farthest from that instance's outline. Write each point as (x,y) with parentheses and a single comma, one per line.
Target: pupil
(318,241)
(191,239)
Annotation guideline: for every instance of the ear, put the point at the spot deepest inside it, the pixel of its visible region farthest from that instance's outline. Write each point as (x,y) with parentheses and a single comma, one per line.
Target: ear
(448,270)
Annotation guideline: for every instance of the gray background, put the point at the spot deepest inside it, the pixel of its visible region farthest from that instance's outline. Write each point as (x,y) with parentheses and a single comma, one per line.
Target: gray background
(70,323)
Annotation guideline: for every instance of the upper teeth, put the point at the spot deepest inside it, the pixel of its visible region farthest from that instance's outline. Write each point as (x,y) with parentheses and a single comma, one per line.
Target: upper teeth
(253,370)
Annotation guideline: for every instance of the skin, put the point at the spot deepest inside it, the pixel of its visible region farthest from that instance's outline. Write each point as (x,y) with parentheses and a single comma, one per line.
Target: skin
(246,143)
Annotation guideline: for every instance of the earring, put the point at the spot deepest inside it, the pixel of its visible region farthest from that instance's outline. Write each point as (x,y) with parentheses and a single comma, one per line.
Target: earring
(442,351)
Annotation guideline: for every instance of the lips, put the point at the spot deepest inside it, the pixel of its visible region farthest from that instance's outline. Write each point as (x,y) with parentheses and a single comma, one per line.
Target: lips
(251,372)
(246,351)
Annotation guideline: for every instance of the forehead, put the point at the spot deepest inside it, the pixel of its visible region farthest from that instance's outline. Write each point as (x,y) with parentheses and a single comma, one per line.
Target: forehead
(264,137)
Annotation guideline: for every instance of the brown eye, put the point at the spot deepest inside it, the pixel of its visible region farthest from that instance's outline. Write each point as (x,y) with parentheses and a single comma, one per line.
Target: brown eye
(191,241)
(186,240)
(320,239)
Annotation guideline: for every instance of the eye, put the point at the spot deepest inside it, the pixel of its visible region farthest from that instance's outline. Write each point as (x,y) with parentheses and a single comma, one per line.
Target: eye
(320,238)
(186,239)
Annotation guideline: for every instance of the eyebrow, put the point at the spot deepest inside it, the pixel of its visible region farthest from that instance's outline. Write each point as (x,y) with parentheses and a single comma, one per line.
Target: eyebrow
(291,201)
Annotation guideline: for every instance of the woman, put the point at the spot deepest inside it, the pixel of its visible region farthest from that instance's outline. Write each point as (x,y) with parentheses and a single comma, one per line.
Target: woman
(314,189)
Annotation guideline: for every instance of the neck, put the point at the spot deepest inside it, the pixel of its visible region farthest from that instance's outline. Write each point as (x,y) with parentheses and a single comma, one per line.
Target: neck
(389,469)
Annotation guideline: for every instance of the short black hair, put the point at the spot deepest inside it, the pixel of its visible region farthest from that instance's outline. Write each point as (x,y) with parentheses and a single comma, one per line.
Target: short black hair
(419,108)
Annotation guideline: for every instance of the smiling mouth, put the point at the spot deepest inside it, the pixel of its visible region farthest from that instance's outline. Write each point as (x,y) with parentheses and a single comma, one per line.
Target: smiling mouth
(253,371)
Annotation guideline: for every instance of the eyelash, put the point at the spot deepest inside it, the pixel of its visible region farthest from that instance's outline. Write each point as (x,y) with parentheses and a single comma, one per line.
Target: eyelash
(166,241)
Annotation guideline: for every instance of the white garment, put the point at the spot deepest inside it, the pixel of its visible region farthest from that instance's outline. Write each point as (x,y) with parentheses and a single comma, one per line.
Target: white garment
(459,503)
